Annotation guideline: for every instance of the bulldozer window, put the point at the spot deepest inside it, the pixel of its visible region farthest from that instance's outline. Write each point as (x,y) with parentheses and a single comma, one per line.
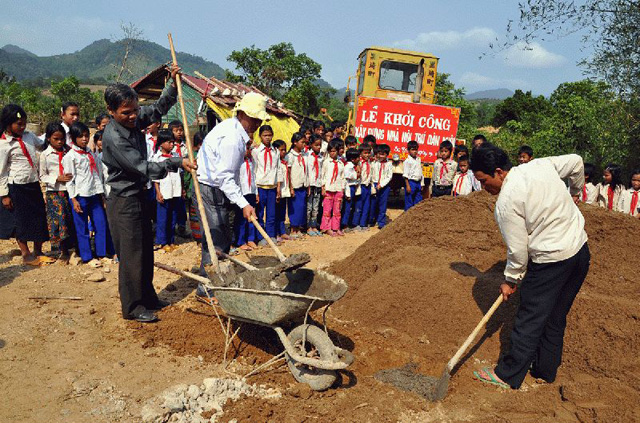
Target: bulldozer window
(398,76)
(362,71)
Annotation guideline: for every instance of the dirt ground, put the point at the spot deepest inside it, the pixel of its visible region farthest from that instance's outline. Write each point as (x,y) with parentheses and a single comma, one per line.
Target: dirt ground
(417,288)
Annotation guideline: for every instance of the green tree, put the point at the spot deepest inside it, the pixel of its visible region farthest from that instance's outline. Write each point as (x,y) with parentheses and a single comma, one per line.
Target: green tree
(281,74)
(524,108)
(91,103)
(609,27)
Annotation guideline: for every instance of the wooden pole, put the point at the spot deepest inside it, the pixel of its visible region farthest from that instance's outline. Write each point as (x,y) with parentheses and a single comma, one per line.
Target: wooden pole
(196,186)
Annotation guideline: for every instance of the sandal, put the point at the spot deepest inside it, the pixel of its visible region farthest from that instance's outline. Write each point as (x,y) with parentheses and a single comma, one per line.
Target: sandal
(35,262)
(245,247)
(46,259)
(488,375)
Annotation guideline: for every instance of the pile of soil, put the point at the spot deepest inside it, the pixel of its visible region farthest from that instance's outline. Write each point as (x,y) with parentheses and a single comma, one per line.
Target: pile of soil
(428,278)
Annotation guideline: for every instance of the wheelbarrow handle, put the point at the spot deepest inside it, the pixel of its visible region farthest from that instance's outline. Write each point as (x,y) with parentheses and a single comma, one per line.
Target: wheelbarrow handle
(273,245)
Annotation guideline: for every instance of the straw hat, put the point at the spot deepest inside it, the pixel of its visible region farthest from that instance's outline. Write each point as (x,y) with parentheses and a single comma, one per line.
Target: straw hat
(254,105)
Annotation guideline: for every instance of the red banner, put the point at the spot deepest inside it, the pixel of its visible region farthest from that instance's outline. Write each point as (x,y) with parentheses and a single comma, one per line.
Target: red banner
(397,122)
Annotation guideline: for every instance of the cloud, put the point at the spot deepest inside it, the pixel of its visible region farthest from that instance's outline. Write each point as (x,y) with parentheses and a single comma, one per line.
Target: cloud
(532,55)
(474,82)
(448,40)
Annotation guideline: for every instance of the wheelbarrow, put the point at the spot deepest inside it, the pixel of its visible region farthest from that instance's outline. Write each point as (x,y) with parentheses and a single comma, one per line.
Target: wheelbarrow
(310,354)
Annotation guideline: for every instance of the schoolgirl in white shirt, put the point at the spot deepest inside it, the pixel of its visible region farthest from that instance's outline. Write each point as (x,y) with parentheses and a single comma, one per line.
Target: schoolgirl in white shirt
(611,187)
(297,165)
(54,177)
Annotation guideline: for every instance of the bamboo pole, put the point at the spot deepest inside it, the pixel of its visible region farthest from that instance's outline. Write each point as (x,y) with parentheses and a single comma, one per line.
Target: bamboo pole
(196,185)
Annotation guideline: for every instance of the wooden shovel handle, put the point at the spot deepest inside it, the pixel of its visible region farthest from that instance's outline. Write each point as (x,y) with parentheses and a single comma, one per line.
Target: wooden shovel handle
(194,174)
(454,360)
(273,245)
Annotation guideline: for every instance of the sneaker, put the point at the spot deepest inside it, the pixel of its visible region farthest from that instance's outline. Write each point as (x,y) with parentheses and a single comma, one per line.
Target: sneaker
(357,229)
(95,263)
(347,230)
(262,243)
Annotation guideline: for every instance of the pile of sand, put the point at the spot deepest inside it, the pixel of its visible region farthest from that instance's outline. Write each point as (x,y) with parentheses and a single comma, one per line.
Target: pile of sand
(433,272)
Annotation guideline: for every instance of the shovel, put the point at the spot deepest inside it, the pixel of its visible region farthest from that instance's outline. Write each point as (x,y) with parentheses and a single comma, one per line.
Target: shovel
(292,262)
(441,385)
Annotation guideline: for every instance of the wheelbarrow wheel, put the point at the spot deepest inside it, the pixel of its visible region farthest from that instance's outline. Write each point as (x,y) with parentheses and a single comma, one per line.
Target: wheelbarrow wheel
(318,345)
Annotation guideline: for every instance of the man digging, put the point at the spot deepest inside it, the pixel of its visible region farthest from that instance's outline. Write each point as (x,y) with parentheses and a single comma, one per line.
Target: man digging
(547,256)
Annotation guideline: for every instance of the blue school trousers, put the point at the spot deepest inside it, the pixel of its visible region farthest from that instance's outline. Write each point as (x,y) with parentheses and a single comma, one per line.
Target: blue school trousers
(373,209)
(166,218)
(267,211)
(414,197)
(181,212)
(281,216)
(298,208)
(92,209)
(243,229)
(349,216)
(364,203)
(383,196)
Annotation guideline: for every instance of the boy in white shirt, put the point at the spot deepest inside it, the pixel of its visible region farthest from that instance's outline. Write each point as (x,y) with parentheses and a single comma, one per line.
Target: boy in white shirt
(366,173)
(333,183)
(179,150)
(266,160)
(384,173)
(547,256)
(444,170)
(463,183)
(589,191)
(413,177)
(375,172)
(629,199)
(86,193)
(299,184)
(168,192)
(314,194)
(244,230)
(351,215)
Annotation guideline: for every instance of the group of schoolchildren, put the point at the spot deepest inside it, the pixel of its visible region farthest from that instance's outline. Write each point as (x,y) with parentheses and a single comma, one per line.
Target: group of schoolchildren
(67,161)
(324,184)
(611,193)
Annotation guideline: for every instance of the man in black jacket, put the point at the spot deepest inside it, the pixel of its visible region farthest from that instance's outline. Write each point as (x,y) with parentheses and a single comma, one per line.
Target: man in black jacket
(124,152)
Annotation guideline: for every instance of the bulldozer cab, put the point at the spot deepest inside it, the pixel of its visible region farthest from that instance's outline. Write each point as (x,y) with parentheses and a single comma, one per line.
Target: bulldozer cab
(399,75)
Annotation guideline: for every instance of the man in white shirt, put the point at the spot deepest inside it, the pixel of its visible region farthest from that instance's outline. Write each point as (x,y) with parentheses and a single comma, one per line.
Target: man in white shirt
(547,255)
(219,161)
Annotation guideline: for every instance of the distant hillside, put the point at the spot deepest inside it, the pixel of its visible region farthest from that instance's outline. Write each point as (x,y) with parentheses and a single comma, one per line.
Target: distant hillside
(95,63)
(10,48)
(498,94)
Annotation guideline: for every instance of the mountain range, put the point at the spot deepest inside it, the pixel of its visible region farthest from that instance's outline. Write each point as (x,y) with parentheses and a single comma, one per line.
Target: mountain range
(497,94)
(99,62)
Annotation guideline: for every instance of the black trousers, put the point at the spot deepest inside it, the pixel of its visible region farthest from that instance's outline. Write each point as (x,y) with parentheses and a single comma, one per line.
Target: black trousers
(130,225)
(441,190)
(546,294)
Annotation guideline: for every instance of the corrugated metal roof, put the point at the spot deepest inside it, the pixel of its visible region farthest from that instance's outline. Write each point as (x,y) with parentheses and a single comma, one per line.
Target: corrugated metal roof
(223,93)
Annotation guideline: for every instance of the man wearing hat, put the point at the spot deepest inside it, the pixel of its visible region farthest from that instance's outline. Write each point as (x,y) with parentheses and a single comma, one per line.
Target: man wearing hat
(219,161)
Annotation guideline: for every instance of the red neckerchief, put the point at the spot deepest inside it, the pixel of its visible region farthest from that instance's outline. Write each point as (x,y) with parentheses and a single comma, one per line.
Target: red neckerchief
(368,167)
(246,162)
(634,202)
(456,190)
(60,156)
(610,193)
(584,193)
(443,169)
(380,173)
(315,164)
(301,160)
(166,155)
(23,147)
(334,175)
(267,152)
(286,170)
(154,140)
(92,161)
(179,149)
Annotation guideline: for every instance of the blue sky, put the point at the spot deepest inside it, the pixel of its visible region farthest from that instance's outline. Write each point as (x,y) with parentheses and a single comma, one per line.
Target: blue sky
(331,32)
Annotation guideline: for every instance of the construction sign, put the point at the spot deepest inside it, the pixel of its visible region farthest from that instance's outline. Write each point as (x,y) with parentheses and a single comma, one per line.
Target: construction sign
(396,123)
